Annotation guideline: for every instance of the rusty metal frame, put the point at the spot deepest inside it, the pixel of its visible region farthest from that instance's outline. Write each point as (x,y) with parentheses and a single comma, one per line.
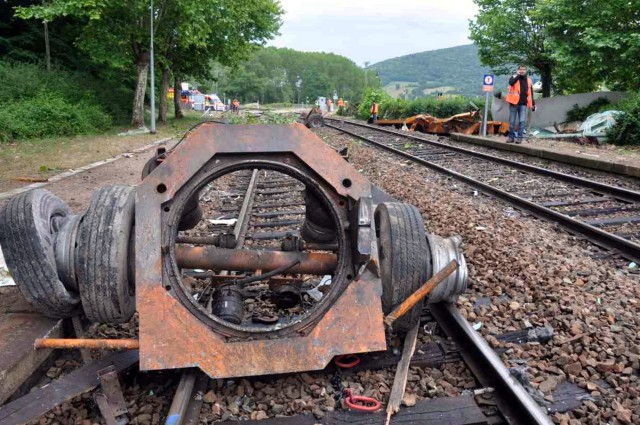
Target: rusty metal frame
(173,336)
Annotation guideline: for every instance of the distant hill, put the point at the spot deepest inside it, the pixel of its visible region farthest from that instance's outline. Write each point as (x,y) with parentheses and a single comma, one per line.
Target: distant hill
(455,70)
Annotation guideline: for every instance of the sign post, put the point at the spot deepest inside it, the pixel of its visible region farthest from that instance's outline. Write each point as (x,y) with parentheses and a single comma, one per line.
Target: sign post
(487,88)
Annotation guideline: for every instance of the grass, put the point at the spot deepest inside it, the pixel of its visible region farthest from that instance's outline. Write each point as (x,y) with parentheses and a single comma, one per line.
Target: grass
(43,158)
(443,89)
(396,92)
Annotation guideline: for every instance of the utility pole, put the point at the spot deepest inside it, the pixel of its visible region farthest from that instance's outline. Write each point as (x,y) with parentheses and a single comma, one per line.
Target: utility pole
(366,80)
(153,85)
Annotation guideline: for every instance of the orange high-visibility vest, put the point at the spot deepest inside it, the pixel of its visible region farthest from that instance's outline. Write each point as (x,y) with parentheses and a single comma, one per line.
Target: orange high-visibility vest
(340,102)
(514,93)
(374,108)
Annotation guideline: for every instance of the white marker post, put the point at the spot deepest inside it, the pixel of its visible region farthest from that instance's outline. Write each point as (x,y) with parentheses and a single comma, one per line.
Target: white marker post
(487,88)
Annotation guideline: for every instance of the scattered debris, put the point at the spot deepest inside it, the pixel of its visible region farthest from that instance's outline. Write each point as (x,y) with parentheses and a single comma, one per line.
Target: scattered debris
(596,125)
(592,131)
(135,131)
(223,221)
(31,179)
(466,123)
(5,276)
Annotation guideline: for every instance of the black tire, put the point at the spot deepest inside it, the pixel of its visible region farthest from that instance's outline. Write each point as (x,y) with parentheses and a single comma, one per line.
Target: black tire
(104,267)
(314,121)
(28,226)
(404,258)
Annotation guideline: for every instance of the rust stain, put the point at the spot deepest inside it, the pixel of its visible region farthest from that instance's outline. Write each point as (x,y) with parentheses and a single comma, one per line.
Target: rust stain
(174,338)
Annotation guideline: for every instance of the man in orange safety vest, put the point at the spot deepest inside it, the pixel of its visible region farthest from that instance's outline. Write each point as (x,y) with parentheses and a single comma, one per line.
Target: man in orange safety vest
(520,98)
(374,111)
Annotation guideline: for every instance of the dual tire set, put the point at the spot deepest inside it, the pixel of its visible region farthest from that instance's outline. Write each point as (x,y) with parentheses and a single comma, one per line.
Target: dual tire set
(66,264)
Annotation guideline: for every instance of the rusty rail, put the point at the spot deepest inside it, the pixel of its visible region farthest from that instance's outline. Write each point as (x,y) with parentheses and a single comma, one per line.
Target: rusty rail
(211,258)
(90,344)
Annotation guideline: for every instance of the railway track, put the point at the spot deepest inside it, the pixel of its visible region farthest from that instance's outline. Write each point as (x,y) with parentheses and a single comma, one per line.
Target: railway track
(266,209)
(606,215)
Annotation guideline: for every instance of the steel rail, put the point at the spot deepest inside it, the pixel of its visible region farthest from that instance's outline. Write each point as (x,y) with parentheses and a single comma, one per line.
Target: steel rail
(602,188)
(626,248)
(185,409)
(514,402)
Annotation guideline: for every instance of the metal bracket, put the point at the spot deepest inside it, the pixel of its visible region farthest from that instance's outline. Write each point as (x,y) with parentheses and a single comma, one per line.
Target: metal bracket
(111,400)
(364,211)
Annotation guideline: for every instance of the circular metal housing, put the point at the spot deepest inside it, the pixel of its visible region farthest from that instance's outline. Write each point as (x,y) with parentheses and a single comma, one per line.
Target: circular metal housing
(333,203)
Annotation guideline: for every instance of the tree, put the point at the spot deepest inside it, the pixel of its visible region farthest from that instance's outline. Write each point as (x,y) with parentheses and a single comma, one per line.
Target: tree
(510,32)
(117,33)
(594,42)
(275,75)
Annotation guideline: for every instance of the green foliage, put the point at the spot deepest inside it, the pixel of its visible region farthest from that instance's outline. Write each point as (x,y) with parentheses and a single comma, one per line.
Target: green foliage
(110,90)
(626,131)
(399,108)
(49,114)
(580,114)
(266,118)
(510,32)
(369,95)
(275,75)
(455,70)
(189,32)
(594,42)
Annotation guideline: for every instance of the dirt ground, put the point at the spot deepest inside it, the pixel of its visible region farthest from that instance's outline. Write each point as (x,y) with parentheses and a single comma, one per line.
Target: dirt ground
(76,190)
(42,159)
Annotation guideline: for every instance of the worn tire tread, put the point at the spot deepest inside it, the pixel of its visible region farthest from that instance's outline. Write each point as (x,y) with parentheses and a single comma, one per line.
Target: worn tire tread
(410,264)
(102,273)
(30,256)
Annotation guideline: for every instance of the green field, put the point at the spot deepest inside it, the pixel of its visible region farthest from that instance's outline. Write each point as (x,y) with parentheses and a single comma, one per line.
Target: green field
(397,88)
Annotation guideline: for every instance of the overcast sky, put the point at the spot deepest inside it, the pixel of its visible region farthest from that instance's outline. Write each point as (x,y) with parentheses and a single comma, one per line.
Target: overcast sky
(374,30)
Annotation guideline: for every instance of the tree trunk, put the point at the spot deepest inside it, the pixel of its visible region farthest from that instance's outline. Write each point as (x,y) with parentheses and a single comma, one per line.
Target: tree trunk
(545,76)
(176,97)
(142,67)
(164,90)
(47,49)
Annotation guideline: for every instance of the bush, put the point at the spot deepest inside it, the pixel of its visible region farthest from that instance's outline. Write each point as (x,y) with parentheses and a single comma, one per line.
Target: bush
(49,114)
(580,114)
(399,108)
(379,95)
(38,104)
(626,131)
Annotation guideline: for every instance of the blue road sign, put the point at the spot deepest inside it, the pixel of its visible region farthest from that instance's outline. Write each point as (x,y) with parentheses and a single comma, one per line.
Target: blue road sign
(488,79)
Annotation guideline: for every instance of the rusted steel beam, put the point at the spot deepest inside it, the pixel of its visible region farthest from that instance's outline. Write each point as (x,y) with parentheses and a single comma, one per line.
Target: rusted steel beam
(90,344)
(420,293)
(208,257)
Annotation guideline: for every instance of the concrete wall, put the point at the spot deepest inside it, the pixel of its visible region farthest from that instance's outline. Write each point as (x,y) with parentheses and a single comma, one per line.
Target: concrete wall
(551,109)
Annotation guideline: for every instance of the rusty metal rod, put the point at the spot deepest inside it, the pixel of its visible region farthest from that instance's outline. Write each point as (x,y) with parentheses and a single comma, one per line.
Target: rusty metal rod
(211,258)
(198,240)
(90,344)
(420,293)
